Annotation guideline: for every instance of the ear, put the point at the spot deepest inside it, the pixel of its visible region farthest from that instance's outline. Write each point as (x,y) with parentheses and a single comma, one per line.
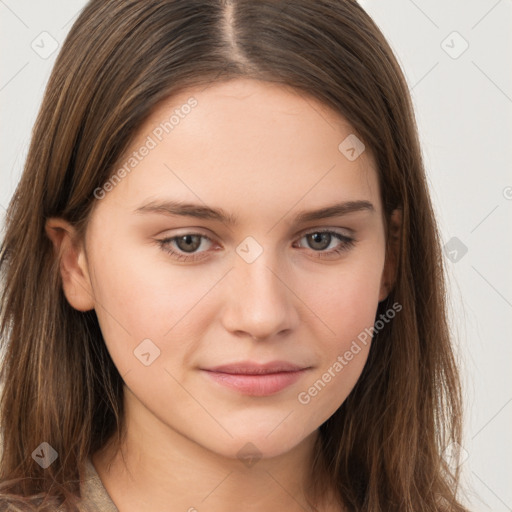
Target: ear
(73,264)
(392,253)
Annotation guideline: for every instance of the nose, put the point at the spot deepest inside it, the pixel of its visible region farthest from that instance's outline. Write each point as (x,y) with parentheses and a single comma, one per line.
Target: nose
(259,302)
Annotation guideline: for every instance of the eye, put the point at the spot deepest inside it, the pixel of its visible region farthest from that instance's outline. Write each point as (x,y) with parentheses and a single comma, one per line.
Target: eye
(320,240)
(185,247)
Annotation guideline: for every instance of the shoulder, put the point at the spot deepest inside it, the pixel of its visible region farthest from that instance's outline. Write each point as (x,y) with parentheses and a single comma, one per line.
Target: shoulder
(94,495)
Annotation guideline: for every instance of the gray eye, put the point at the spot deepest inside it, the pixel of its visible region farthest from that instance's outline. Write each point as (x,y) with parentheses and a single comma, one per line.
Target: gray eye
(188,243)
(319,241)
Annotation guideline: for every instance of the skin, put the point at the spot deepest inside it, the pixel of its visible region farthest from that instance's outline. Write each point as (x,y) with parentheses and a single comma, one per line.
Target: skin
(262,153)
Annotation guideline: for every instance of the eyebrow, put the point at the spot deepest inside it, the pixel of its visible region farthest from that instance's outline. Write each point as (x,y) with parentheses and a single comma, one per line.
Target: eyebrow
(178,208)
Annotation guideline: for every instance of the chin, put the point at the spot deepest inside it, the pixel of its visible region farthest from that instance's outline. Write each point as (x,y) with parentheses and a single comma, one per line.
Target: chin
(258,445)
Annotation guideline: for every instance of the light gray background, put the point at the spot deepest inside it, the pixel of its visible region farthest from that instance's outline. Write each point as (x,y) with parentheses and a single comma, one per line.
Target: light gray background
(463,106)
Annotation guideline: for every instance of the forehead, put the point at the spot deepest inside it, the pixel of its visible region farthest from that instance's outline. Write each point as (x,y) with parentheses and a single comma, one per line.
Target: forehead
(245,143)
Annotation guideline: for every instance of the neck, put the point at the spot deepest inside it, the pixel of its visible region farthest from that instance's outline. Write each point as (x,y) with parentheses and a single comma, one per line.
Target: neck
(159,469)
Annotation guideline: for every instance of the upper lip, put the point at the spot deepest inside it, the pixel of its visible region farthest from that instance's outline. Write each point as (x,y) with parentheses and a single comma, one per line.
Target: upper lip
(252,368)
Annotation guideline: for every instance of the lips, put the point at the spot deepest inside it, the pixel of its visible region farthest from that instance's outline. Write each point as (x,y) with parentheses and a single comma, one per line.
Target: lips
(250,378)
(250,368)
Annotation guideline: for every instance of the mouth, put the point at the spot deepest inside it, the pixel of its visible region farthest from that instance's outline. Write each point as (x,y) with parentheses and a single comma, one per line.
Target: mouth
(255,379)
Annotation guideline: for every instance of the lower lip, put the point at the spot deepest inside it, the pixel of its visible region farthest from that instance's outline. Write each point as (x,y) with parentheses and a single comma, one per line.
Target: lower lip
(257,385)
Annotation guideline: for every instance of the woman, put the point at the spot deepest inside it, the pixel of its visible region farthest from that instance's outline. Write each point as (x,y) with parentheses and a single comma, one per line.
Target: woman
(222,272)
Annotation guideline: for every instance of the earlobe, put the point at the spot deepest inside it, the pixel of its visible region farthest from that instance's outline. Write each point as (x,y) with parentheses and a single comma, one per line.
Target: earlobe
(392,254)
(72,264)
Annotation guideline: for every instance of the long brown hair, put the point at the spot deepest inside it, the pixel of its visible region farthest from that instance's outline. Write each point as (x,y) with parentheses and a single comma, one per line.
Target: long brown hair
(383,448)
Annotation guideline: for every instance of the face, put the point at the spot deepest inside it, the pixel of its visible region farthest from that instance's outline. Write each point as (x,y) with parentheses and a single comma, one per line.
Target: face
(228,307)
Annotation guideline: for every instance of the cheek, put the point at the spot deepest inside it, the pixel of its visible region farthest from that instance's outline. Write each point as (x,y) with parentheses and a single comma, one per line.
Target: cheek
(344,299)
(138,298)
(345,304)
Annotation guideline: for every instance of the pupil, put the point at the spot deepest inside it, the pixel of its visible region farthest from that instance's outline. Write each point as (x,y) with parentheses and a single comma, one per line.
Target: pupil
(189,245)
(320,238)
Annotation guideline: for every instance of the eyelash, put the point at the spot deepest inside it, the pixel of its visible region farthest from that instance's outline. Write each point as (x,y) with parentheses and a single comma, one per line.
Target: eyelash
(347,244)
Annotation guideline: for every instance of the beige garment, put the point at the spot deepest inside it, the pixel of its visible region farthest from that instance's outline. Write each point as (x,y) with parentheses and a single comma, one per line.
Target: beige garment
(95,497)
